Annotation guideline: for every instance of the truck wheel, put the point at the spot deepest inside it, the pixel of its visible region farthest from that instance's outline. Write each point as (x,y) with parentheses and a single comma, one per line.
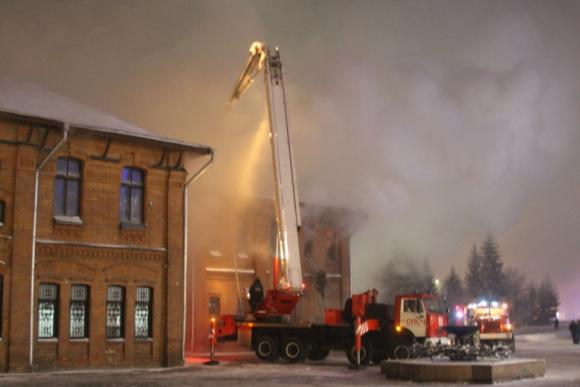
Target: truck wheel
(266,348)
(402,352)
(366,353)
(293,350)
(317,354)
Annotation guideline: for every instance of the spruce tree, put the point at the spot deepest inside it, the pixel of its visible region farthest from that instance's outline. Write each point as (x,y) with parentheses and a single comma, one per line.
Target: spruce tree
(473,283)
(548,301)
(492,276)
(453,289)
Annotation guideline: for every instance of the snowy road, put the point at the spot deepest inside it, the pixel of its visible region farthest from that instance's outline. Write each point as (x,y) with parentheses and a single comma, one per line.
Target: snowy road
(562,365)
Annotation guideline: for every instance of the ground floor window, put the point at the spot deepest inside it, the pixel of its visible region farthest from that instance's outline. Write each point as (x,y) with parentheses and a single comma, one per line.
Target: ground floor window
(79,312)
(48,311)
(144,312)
(115,325)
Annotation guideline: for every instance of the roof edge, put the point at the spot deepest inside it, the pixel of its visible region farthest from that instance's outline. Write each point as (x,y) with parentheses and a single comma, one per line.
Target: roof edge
(198,148)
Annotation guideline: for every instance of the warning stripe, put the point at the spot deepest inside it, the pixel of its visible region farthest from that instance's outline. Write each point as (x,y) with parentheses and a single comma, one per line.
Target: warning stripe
(362,329)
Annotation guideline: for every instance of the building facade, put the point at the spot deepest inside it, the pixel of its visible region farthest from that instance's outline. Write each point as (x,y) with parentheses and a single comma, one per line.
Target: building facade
(236,244)
(92,247)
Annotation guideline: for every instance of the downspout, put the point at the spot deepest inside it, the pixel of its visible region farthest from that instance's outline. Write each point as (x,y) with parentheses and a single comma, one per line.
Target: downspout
(185,231)
(65,131)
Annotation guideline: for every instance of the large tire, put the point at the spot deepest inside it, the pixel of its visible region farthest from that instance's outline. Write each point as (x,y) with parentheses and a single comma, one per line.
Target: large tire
(266,348)
(317,354)
(293,349)
(366,353)
(402,352)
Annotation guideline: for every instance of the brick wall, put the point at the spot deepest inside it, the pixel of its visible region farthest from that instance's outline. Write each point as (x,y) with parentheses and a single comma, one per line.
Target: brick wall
(97,252)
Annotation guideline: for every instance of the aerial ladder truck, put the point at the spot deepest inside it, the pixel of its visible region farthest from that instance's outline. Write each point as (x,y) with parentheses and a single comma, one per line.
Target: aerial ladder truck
(364,329)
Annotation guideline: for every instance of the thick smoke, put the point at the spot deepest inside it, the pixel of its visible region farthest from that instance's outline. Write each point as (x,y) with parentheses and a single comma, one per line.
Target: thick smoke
(440,122)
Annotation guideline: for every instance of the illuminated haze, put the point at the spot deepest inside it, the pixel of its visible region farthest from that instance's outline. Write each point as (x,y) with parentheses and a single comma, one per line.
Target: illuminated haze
(442,121)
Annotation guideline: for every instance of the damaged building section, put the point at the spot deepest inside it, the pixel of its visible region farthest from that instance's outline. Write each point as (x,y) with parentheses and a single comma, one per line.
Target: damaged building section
(236,245)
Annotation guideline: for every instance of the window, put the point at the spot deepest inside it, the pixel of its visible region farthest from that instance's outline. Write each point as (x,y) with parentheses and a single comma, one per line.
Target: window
(2,205)
(48,311)
(67,187)
(144,313)
(131,206)
(79,312)
(115,326)
(411,305)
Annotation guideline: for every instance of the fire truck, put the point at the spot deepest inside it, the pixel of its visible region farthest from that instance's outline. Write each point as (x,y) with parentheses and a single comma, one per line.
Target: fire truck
(379,327)
(492,320)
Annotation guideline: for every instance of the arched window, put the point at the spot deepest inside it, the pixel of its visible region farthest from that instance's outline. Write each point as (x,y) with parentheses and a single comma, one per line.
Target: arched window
(115,323)
(48,311)
(132,189)
(67,187)
(144,312)
(79,312)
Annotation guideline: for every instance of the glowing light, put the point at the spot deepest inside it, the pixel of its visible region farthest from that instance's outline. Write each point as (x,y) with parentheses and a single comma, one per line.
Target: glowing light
(494,304)
(509,326)
(212,320)
(504,305)
(482,303)
(459,314)
(398,328)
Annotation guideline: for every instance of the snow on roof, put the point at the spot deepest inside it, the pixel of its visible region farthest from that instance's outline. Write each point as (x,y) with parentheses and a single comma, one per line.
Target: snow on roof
(28,99)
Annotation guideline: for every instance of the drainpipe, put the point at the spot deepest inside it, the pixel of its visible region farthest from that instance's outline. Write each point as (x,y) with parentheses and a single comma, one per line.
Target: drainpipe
(65,131)
(185,231)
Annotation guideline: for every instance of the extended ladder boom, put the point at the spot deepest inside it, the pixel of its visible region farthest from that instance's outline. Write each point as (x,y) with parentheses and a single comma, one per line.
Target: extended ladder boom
(267,59)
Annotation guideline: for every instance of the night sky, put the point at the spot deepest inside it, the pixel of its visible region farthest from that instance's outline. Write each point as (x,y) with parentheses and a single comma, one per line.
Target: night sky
(443,121)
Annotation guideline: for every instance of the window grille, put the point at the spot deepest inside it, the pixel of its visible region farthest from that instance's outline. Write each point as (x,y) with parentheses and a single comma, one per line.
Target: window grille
(48,311)
(132,188)
(79,312)
(115,324)
(67,187)
(144,312)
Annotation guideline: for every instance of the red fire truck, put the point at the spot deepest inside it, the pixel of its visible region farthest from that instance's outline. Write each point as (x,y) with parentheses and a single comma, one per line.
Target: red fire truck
(491,318)
(416,317)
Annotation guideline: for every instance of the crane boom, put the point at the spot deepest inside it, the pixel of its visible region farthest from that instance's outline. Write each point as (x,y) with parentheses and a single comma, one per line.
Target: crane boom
(267,59)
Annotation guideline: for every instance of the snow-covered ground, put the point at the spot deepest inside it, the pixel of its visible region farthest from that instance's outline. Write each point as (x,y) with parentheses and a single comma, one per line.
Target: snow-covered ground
(242,369)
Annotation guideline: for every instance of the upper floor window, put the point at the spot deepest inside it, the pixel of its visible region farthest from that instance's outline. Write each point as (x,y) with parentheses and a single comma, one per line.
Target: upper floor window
(48,311)
(2,206)
(67,187)
(144,312)
(132,187)
(79,312)
(115,324)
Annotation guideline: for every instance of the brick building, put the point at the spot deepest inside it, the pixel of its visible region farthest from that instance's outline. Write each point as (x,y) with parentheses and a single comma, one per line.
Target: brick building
(236,244)
(92,226)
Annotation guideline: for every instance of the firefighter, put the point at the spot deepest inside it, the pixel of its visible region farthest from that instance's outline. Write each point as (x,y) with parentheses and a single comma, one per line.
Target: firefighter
(256,293)
(573,327)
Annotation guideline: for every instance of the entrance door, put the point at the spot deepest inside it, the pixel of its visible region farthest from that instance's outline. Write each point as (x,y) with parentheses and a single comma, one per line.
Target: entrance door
(413,316)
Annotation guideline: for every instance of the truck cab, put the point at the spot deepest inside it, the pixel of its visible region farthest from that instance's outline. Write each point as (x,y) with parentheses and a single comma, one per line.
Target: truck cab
(422,315)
